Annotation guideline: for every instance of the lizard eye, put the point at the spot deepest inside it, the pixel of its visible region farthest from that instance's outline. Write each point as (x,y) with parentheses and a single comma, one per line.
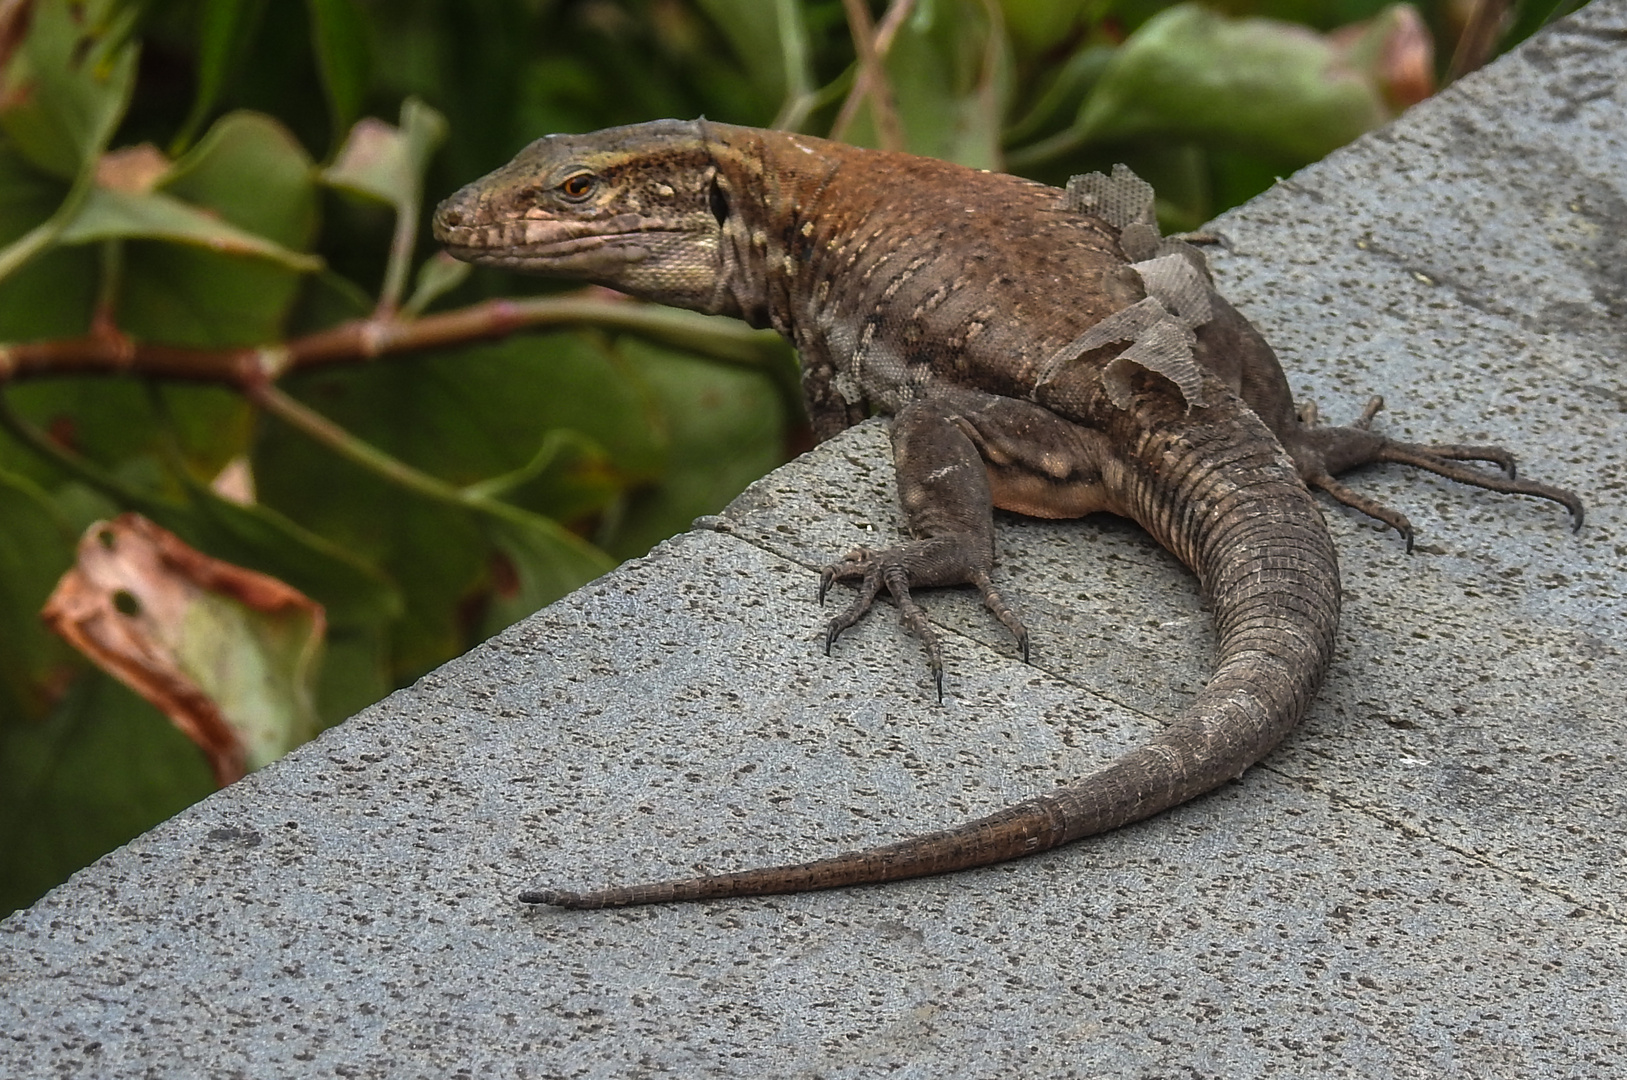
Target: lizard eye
(578,186)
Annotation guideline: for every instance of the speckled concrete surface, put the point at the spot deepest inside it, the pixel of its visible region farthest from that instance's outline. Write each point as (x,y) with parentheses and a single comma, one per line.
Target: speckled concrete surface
(1423,882)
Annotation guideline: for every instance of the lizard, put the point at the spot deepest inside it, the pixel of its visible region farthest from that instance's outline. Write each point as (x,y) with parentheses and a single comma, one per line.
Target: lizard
(1039,350)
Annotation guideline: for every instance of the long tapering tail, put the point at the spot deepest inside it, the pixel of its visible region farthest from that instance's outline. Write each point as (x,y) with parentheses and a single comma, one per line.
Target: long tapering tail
(1220,493)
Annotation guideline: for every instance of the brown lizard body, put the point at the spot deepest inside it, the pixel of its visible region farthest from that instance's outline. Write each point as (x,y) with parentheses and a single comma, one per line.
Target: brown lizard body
(1040,351)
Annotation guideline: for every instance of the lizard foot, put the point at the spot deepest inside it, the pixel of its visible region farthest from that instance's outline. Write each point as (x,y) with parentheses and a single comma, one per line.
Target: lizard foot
(1323,453)
(891,567)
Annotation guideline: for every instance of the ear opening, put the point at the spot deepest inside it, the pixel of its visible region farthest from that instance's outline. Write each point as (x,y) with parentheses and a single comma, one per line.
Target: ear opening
(717,200)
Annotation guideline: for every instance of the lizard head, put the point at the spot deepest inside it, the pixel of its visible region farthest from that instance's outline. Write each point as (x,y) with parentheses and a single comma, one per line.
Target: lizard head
(637,208)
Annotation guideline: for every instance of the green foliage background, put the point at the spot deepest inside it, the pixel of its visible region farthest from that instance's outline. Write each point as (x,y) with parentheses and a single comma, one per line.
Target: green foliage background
(588,443)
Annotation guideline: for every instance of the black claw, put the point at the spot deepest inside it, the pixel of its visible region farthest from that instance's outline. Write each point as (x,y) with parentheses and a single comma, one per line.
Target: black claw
(1407,533)
(1024,644)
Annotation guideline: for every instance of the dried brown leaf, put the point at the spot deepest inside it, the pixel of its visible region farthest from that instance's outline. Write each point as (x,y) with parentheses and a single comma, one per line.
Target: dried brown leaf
(193,634)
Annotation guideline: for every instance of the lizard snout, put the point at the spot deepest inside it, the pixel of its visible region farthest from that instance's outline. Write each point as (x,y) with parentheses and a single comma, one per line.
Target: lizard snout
(453,213)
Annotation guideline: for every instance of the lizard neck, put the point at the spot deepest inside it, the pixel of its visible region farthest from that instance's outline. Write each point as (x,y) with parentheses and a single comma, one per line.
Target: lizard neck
(805,248)
(780,255)
(768,189)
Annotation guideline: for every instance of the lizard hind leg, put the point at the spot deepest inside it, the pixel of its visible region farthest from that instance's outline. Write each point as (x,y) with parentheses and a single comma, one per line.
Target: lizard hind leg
(1322,453)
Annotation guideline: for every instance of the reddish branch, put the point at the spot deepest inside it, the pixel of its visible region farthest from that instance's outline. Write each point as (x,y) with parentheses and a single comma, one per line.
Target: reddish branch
(349,342)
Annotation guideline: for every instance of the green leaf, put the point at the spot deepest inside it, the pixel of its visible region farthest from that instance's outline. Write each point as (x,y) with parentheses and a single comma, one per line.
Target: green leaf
(1069,86)
(356,672)
(27,196)
(35,549)
(225,223)
(249,176)
(951,83)
(65,90)
(126,215)
(60,99)
(225,31)
(191,297)
(387,163)
(756,31)
(1532,15)
(1037,26)
(1273,88)
(354,591)
(104,767)
(169,456)
(112,423)
(548,563)
(52,295)
(556,445)
(725,427)
(439,274)
(254,174)
(464,415)
(571,479)
(339,35)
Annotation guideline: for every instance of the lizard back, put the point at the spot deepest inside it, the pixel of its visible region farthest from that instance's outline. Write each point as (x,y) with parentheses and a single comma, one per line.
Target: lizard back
(1040,351)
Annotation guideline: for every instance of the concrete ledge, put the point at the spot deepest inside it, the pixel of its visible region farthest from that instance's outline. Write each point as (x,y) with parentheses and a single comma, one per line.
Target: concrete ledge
(1423,882)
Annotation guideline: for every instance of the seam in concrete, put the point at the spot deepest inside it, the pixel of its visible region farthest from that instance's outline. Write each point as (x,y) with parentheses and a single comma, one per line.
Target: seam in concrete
(1600,907)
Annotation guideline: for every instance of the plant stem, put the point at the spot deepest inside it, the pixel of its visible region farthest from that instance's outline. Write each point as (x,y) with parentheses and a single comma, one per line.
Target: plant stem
(318,427)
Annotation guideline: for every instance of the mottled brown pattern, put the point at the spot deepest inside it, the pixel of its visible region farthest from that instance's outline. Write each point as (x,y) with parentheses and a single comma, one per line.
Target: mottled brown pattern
(948,297)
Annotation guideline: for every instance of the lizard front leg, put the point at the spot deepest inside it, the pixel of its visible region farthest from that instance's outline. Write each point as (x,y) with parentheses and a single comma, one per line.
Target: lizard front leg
(949,511)
(958,453)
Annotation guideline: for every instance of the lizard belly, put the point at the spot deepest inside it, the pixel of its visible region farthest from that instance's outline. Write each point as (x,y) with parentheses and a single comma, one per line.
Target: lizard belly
(1024,492)
(1038,463)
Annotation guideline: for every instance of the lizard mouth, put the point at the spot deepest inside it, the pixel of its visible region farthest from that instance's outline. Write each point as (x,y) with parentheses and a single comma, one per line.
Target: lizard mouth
(566,248)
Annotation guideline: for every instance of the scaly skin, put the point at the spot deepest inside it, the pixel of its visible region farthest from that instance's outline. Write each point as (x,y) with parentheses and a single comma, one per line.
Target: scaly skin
(942,295)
